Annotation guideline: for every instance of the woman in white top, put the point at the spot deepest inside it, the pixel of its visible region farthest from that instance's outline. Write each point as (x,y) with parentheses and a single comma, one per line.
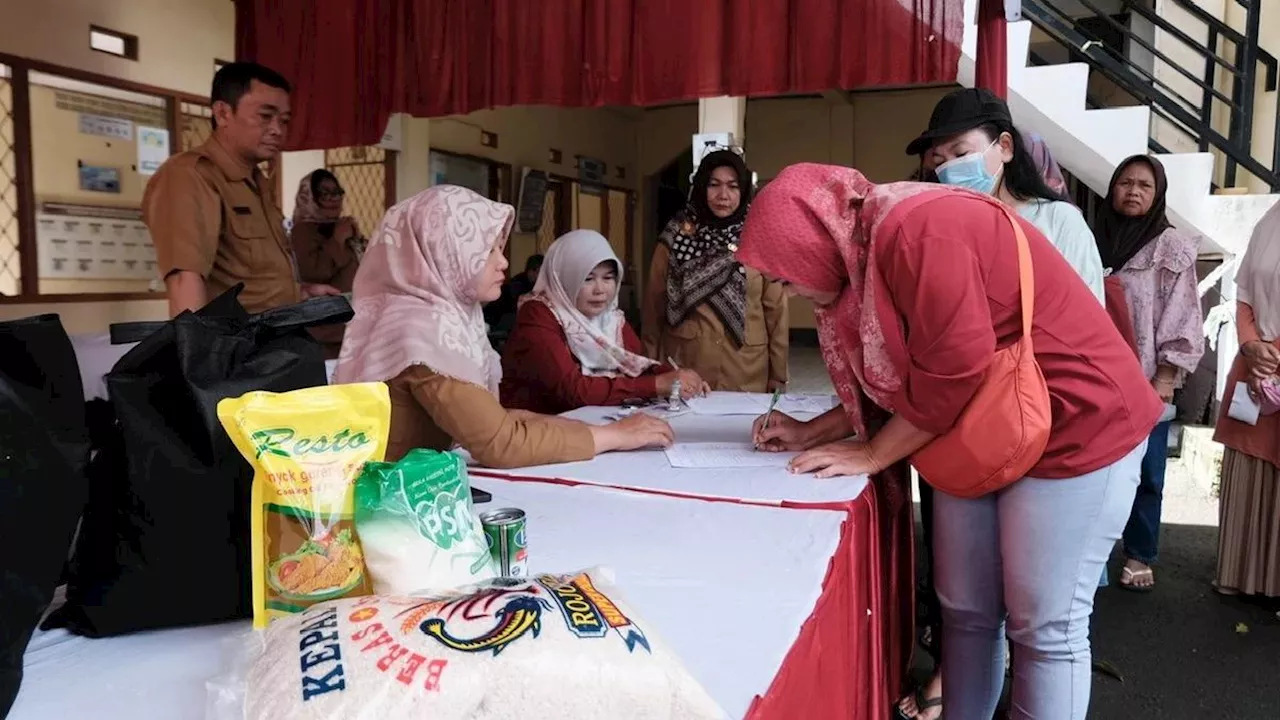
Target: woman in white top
(972,143)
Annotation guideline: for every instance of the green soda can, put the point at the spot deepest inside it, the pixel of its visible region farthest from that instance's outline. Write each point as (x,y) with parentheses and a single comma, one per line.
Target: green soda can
(504,529)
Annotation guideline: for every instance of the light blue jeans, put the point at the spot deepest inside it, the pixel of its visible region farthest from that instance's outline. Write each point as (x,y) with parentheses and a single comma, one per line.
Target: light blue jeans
(1031,552)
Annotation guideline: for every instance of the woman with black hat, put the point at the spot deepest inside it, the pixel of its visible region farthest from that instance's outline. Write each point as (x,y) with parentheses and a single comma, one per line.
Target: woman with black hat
(973,144)
(705,310)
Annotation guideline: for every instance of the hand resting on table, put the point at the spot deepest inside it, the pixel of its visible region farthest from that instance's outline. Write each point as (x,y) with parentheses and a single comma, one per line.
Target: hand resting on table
(633,432)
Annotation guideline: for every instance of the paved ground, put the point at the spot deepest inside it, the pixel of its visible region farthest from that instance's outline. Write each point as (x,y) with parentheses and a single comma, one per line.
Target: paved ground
(1184,652)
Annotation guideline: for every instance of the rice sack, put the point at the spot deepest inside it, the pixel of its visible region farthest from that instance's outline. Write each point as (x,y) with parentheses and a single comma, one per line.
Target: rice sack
(417,527)
(549,646)
(307,448)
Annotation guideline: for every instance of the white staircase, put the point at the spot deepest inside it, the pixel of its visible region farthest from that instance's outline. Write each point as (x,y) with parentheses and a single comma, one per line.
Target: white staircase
(1050,100)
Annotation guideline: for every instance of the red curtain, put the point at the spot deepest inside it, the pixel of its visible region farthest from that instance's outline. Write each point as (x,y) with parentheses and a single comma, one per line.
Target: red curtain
(992,64)
(355,62)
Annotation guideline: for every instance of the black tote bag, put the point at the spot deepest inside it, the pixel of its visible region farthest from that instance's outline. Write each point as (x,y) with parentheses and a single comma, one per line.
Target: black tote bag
(44,446)
(165,536)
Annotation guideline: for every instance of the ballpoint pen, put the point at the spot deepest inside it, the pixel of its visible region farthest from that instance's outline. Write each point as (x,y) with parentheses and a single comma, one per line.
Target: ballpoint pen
(773,402)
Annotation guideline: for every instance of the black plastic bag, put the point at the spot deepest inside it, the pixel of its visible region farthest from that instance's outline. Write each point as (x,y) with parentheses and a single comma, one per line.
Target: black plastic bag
(165,536)
(44,446)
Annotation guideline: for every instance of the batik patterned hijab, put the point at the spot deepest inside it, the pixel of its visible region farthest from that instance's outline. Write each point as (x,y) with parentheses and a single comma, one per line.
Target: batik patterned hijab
(702,267)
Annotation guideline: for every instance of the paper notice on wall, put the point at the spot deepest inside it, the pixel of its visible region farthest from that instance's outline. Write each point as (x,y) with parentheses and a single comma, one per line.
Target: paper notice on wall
(87,247)
(153,149)
(104,126)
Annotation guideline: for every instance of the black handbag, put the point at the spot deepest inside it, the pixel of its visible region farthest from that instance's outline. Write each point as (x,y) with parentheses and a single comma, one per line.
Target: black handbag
(165,536)
(44,446)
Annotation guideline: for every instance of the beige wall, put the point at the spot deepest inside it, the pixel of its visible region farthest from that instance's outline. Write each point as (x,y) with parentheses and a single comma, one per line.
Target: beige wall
(1264,118)
(527,134)
(178,42)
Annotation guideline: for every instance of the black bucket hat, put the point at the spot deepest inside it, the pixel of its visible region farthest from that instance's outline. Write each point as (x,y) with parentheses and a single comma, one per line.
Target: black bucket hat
(959,111)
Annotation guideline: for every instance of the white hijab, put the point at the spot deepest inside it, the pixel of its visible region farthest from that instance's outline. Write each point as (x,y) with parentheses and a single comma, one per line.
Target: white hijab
(596,342)
(1256,278)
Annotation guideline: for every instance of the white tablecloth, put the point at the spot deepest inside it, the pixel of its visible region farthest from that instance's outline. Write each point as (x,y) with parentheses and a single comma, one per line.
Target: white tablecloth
(726,585)
(649,469)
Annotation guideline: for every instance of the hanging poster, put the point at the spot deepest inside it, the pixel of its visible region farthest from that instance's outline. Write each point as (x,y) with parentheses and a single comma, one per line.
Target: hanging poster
(153,149)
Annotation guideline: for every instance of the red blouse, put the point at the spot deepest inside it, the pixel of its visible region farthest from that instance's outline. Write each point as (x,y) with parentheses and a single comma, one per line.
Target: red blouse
(540,374)
(951,269)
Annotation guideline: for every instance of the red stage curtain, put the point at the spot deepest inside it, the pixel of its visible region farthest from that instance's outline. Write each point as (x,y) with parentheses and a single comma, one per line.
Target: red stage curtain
(355,62)
(992,64)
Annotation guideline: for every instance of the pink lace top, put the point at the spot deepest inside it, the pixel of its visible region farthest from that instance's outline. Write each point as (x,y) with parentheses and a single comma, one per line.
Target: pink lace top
(1160,286)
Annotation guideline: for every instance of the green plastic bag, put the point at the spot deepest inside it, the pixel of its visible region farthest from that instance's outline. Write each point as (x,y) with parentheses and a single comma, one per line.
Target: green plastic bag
(417,526)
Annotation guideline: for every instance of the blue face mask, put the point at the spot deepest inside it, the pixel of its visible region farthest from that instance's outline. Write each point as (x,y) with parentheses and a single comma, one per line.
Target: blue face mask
(969,172)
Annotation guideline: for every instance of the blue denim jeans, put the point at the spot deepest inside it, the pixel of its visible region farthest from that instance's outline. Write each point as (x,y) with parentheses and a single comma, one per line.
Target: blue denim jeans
(1031,552)
(1142,534)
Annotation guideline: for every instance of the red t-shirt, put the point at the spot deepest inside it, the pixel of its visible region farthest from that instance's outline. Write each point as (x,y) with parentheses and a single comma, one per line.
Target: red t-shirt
(950,265)
(541,374)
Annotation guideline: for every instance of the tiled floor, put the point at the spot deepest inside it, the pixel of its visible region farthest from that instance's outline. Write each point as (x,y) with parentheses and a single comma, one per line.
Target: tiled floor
(808,373)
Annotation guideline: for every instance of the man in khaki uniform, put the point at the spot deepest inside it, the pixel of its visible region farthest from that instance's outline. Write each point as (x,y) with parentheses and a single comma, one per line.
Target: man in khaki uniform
(213,217)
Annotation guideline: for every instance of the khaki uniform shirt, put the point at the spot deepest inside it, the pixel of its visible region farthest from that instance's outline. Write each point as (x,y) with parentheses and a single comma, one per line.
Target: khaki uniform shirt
(701,343)
(211,213)
(434,411)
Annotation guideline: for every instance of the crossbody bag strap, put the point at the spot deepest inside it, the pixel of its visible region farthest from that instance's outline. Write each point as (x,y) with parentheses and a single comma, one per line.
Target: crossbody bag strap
(1026,278)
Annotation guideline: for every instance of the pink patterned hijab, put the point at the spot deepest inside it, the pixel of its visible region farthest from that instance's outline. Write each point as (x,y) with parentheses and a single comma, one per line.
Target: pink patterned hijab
(817,226)
(415,299)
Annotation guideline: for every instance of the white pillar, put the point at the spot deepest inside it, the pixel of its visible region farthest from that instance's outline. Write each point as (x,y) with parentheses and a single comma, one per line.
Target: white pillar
(721,121)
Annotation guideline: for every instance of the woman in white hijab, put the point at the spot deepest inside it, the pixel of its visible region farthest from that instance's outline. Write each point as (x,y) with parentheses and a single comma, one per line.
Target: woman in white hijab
(571,345)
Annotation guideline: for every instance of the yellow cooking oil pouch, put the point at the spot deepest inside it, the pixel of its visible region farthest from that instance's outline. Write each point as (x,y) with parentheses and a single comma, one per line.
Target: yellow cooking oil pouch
(307,448)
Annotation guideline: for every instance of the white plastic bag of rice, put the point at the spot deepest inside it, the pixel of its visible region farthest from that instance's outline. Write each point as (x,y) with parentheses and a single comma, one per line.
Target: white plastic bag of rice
(550,646)
(417,526)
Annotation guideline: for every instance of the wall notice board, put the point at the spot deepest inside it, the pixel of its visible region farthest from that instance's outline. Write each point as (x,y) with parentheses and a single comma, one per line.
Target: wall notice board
(90,242)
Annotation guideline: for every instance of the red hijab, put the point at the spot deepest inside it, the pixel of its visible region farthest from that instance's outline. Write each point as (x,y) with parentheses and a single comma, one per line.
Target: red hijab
(817,226)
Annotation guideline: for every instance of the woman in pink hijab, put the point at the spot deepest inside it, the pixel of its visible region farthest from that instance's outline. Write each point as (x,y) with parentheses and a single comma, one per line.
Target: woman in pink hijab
(418,326)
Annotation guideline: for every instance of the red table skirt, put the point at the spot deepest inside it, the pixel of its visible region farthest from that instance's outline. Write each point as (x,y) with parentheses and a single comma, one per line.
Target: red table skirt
(852,651)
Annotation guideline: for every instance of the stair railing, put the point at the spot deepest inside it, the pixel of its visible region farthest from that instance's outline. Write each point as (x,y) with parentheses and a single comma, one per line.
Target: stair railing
(1226,51)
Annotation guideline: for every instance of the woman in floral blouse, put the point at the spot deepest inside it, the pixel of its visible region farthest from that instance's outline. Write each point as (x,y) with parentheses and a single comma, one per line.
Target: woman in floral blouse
(1156,263)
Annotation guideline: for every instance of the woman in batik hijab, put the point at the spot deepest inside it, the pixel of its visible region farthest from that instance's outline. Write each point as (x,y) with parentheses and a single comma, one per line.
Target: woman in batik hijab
(915,287)
(702,308)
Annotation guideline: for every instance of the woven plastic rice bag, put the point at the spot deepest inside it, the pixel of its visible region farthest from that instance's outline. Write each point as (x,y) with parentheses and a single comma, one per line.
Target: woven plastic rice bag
(307,448)
(417,527)
(549,646)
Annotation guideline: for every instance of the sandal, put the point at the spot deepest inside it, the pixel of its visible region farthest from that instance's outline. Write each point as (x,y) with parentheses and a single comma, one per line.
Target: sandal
(1128,577)
(922,705)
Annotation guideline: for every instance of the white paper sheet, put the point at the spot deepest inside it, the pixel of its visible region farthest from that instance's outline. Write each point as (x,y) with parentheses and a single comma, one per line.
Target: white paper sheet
(723,455)
(741,403)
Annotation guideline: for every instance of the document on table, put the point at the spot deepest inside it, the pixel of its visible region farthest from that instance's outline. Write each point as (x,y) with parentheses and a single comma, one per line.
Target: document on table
(724,455)
(742,403)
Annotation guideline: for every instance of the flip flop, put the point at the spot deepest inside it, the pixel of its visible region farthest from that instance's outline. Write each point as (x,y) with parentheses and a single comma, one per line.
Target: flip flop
(1127,576)
(921,705)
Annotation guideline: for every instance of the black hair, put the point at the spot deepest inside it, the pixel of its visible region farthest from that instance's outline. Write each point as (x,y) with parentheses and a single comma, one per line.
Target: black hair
(533,263)
(232,82)
(318,177)
(702,180)
(1021,177)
